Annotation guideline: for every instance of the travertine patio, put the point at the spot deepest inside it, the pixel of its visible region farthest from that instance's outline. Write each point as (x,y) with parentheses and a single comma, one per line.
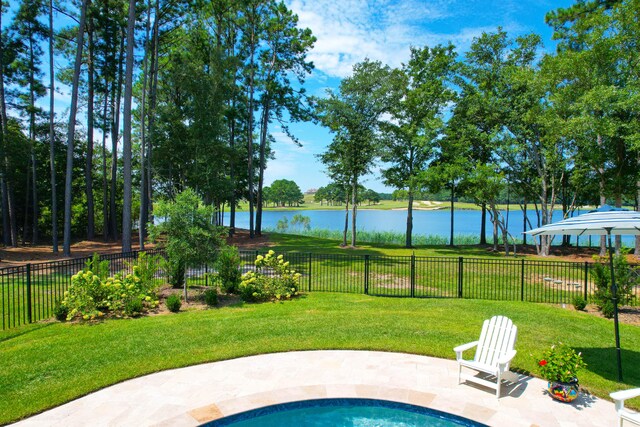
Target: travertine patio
(191,396)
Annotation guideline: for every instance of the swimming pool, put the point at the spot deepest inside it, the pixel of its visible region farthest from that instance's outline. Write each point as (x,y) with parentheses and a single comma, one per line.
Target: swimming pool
(343,412)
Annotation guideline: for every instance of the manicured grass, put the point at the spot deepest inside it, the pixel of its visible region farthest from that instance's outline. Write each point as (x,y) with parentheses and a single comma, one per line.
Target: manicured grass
(48,364)
(298,243)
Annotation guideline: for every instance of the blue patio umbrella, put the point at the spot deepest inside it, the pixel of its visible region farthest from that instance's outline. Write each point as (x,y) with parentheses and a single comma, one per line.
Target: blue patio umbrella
(604,221)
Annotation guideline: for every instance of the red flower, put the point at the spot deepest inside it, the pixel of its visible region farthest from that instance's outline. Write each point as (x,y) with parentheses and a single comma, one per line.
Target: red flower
(542,362)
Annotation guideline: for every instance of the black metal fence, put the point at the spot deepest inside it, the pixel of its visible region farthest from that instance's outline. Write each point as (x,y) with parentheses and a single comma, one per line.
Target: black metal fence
(30,292)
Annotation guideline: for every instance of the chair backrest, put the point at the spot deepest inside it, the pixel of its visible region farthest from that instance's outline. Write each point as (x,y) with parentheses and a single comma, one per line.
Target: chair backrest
(498,337)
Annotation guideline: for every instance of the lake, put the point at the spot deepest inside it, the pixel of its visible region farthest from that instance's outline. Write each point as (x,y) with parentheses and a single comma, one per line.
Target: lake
(426,223)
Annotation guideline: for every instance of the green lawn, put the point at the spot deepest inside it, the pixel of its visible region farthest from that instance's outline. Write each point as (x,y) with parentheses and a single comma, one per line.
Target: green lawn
(45,365)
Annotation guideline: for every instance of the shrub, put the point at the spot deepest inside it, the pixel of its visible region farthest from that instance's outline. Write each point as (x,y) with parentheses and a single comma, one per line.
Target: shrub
(85,296)
(210,297)
(173,303)
(228,266)
(97,267)
(579,303)
(607,309)
(60,311)
(145,268)
(625,281)
(273,280)
(133,307)
(89,297)
(175,271)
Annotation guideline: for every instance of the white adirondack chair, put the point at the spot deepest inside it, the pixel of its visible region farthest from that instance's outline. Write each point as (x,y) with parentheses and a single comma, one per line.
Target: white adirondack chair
(625,414)
(494,352)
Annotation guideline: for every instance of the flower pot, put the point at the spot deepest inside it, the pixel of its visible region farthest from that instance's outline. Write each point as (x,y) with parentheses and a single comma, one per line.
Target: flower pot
(564,392)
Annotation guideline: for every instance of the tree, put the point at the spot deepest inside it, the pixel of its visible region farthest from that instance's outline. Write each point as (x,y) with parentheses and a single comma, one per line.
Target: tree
(353,115)
(191,239)
(52,137)
(417,120)
(126,148)
(71,130)
(30,31)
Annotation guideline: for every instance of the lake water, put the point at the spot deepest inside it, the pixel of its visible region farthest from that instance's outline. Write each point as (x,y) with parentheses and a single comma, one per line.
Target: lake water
(426,223)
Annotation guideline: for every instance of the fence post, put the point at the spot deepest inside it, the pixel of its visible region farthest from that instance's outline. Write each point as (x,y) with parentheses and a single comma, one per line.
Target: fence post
(366,274)
(460,270)
(206,274)
(309,271)
(413,275)
(586,279)
(29,315)
(522,281)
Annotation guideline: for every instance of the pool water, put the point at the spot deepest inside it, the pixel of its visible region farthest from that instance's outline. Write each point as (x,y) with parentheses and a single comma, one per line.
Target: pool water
(343,412)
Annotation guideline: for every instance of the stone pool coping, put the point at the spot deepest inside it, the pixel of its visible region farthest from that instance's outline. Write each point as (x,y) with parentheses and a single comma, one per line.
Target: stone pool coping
(194,395)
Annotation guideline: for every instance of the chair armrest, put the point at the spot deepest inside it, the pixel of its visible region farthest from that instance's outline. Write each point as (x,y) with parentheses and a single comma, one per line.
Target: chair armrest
(459,349)
(625,394)
(507,357)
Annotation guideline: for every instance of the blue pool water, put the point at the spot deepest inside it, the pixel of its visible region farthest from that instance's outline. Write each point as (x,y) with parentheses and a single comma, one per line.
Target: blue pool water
(343,413)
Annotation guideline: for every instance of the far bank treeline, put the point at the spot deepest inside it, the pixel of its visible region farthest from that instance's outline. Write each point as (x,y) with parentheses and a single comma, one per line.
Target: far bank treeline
(173,95)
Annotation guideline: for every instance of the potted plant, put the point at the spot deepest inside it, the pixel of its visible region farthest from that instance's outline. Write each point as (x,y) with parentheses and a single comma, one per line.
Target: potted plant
(560,365)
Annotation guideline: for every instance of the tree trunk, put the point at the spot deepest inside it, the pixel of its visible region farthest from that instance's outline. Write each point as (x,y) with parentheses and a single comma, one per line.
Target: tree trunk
(354,208)
(88,167)
(32,139)
(153,86)
(144,207)
(52,137)
(409,232)
(524,221)
(250,135)
(105,196)
(603,200)
(72,130)
(346,217)
(483,225)
(453,192)
(115,131)
(262,165)
(126,145)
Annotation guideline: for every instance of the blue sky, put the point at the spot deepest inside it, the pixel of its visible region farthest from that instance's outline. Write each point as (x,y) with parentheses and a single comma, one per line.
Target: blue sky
(348,31)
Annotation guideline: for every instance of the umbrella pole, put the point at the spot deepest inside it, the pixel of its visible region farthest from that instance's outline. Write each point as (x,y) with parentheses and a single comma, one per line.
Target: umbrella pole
(614,298)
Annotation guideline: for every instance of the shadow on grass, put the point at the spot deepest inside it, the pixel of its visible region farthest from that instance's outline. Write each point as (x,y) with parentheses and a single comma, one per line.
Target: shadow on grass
(603,361)
(23,330)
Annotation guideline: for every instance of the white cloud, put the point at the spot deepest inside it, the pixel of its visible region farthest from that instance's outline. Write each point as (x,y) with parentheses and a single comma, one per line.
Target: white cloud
(349,31)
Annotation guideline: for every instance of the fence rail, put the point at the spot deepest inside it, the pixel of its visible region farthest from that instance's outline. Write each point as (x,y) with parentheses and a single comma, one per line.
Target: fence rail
(29,293)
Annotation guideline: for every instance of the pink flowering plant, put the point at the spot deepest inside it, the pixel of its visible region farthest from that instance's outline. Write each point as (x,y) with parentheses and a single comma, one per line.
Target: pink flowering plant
(560,363)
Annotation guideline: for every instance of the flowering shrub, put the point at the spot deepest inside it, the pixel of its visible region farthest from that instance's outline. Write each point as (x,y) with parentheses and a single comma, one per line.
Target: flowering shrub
(560,363)
(281,282)
(90,297)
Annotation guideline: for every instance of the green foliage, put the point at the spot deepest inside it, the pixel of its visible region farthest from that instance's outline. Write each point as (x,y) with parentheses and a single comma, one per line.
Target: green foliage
(89,297)
(607,309)
(175,271)
(228,267)
(560,363)
(210,297)
(579,303)
(272,280)
(133,307)
(625,282)
(191,238)
(97,267)
(283,192)
(146,267)
(60,311)
(173,303)
(300,221)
